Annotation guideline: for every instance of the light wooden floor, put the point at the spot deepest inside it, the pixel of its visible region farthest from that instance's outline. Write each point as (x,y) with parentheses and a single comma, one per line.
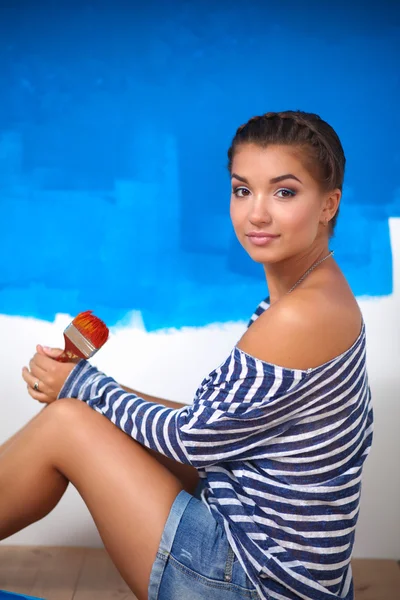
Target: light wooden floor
(88,574)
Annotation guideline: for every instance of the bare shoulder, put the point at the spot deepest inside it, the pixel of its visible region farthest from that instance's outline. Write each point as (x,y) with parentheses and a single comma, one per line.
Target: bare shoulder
(305,330)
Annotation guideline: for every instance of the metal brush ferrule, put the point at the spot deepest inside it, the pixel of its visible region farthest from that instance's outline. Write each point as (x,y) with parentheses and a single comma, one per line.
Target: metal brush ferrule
(79,340)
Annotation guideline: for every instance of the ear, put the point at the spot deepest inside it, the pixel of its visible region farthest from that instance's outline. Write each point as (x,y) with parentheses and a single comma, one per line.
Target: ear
(330,205)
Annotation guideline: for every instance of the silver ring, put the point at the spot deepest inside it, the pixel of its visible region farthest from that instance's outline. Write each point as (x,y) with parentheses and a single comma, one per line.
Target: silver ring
(36,386)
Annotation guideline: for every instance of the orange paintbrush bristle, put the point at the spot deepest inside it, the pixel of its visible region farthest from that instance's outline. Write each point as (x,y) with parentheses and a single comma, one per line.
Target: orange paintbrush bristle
(83,337)
(92,328)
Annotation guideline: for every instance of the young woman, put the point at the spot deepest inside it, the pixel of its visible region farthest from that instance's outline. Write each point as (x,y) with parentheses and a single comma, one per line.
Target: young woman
(278,433)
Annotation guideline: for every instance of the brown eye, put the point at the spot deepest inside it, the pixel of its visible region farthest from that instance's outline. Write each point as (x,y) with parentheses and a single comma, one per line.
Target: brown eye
(286,193)
(241,192)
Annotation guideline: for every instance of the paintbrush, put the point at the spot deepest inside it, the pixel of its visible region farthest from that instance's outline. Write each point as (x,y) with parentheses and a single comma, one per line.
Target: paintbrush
(83,337)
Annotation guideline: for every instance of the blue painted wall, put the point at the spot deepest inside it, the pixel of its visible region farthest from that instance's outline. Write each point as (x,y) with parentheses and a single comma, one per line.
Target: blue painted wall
(114,125)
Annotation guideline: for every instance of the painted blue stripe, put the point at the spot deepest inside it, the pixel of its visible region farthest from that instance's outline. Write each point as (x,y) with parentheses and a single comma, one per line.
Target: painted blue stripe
(101,194)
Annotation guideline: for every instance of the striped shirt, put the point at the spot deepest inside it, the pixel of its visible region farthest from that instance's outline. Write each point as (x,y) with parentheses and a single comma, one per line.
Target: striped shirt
(280,452)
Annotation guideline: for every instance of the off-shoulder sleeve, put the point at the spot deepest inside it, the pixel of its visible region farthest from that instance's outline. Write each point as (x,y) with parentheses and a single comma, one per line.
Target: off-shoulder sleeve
(262,307)
(236,409)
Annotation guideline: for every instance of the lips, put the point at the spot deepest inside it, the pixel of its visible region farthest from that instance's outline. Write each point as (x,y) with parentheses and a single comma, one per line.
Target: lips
(259,238)
(260,234)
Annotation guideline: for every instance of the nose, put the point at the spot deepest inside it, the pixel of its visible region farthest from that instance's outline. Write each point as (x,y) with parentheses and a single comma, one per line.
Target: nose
(259,213)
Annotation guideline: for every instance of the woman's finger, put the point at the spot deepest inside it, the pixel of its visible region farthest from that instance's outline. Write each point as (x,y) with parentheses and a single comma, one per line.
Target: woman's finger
(31,380)
(39,396)
(51,352)
(37,371)
(42,361)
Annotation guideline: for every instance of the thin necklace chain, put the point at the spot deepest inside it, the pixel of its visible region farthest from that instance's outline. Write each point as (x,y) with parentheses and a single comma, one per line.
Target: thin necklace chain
(309,270)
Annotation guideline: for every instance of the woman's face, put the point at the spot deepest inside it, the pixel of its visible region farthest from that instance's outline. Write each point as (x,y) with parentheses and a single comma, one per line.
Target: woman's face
(276,205)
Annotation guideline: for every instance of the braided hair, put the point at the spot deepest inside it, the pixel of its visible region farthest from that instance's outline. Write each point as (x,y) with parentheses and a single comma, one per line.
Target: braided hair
(322,152)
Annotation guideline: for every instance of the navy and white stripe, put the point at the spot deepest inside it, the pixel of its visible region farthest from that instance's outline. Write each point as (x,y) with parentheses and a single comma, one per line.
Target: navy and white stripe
(280,452)
(264,304)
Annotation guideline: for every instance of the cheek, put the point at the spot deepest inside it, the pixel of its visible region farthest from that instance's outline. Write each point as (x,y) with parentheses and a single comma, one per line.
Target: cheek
(237,213)
(301,218)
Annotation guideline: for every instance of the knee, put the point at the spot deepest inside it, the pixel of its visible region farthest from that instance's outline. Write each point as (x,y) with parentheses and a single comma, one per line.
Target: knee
(65,421)
(61,424)
(66,409)
(67,402)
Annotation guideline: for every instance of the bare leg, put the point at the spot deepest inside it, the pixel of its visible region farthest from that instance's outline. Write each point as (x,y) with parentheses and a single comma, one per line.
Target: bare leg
(128,492)
(10,440)
(188,475)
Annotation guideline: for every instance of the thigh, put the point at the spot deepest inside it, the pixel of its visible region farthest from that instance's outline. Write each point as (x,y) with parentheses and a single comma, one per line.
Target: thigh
(128,492)
(187,475)
(194,559)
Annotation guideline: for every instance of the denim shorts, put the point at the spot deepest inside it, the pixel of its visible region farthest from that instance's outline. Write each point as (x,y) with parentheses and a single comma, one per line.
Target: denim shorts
(194,560)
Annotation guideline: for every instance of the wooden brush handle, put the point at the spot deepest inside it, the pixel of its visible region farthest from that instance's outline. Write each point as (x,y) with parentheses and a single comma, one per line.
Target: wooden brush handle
(67,356)
(71,352)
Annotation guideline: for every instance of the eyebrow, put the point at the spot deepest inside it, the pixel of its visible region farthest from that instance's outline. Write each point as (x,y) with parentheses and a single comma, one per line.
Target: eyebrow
(273,180)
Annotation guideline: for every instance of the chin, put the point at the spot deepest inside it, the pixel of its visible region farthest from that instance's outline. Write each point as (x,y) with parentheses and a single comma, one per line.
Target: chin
(265,260)
(263,255)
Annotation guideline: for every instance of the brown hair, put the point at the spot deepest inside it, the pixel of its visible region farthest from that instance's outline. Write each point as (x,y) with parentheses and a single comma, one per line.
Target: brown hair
(322,155)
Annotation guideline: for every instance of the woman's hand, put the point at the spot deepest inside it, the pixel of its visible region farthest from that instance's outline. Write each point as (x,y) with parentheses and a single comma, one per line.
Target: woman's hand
(46,376)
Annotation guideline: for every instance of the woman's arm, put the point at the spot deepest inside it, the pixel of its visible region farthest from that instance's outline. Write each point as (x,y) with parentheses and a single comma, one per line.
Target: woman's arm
(154,399)
(221,424)
(237,411)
